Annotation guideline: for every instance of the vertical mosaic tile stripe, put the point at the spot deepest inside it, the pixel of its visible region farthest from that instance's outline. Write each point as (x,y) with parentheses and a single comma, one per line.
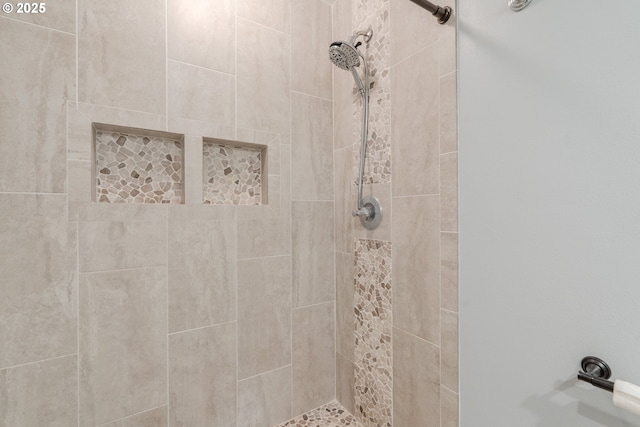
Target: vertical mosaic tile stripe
(373,351)
(232,175)
(330,415)
(377,52)
(134,168)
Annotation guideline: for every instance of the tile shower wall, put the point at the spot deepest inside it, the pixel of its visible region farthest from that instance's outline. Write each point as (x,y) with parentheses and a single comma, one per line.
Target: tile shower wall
(120,314)
(413,171)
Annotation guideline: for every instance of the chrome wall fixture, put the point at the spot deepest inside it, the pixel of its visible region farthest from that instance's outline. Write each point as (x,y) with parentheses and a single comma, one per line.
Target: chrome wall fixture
(518,5)
(346,56)
(443,13)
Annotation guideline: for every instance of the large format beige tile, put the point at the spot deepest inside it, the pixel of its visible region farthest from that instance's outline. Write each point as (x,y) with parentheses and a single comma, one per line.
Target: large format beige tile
(122,117)
(275,14)
(40,394)
(345,199)
(154,418)
(412,28)
(310,40)
(39,284)
(345,383)
(345,295)
(60,15)
(449,271)
(265,400)
(416,381)
(122,54)
(345,129)
(264,237)
(312,253)
(202,32)
(415,122)
(343,85)
(264,315)
(449,191)
(416,266)
(79,134)
(314,367)
(311,148)
(111,245)
(123,344)
(196,93)
(202,377)
(202,273)
(449,408)
(263,83)
(448,113)
(38,79)
(449,370)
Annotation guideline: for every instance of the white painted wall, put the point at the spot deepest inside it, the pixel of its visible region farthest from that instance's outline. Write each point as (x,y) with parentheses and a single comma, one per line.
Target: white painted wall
(549,173)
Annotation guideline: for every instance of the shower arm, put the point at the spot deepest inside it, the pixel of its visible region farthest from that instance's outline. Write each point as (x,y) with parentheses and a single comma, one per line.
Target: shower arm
(442,13)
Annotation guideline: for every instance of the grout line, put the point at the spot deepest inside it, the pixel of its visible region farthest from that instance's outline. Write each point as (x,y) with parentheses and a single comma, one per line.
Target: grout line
(416,195)
(77,65)
(448,389)
(168,377)
(414,54)
(312,305)
(311,96)
(291,411)
(265,372)
(78,301)
(415,336)
(262,257)
(19,21)
(449,153)
(130,416)
(199,66)
(235,99)
(166,68)
(26,193)
(21,365)
(201,328)
(266,26)
(116,269)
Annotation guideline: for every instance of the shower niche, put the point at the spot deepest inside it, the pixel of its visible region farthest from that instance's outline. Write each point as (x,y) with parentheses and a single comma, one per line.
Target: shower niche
(137,165)
(234,172)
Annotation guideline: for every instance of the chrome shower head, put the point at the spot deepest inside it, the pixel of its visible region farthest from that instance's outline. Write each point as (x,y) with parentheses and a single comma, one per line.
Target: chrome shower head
(343,55)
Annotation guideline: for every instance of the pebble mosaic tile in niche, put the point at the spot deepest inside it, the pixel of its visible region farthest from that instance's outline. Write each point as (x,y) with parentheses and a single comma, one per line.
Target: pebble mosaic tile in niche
(232,175)
(134,168)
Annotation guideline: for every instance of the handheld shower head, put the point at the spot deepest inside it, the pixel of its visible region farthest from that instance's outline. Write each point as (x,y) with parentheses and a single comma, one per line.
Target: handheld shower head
(343,55)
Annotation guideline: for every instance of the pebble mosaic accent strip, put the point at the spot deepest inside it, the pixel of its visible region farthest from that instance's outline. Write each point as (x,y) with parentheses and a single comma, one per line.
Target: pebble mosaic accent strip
(134,168)
(330,415)
(373,351)
(232,175)
(377,52)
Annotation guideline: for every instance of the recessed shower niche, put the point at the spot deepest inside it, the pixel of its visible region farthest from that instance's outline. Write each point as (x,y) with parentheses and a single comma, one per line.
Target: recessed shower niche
(234,173)
(138,165)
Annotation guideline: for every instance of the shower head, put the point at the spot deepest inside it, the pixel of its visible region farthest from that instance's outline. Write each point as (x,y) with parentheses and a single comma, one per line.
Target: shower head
(343,55)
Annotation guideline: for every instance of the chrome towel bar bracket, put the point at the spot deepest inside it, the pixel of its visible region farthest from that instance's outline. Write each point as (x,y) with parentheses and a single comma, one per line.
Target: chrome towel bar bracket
(442,13)
(518,5)
(596,372)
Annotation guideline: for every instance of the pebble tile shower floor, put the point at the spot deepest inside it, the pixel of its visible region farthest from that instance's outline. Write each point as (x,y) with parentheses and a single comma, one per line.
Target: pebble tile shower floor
(330,415)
